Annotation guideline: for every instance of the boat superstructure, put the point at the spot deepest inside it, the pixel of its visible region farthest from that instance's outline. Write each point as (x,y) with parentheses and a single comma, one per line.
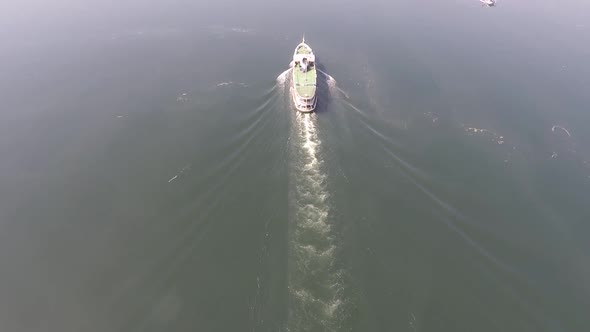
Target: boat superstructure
(304,82)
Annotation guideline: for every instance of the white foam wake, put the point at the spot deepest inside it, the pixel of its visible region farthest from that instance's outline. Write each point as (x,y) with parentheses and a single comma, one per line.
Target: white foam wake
(562,128)
(314,282)
(282,78)
(334,89)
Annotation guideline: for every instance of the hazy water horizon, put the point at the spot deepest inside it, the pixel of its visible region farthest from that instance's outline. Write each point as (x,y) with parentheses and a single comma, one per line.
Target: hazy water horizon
(155,175)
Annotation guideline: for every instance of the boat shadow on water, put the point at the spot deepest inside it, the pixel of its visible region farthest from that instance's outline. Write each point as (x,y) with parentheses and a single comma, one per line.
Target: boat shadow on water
(323,92)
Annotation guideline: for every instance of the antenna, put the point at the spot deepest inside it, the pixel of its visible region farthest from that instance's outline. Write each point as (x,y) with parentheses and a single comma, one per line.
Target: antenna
(304,37)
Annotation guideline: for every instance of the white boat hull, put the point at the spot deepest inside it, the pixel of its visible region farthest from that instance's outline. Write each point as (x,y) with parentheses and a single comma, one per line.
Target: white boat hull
(304,78)
(302,106)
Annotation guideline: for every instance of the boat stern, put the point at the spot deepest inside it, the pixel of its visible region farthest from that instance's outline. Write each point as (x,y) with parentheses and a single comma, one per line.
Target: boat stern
(304,105)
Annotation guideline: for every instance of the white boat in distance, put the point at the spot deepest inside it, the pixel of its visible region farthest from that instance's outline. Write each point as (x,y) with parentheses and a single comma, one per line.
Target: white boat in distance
(304,82)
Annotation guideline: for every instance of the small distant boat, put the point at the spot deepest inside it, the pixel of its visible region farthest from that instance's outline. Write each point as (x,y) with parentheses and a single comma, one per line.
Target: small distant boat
(489,3)
(304,82)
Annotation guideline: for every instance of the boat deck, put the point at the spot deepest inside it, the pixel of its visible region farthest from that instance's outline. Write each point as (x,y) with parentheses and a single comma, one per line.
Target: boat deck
(305,82)
(303,50)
